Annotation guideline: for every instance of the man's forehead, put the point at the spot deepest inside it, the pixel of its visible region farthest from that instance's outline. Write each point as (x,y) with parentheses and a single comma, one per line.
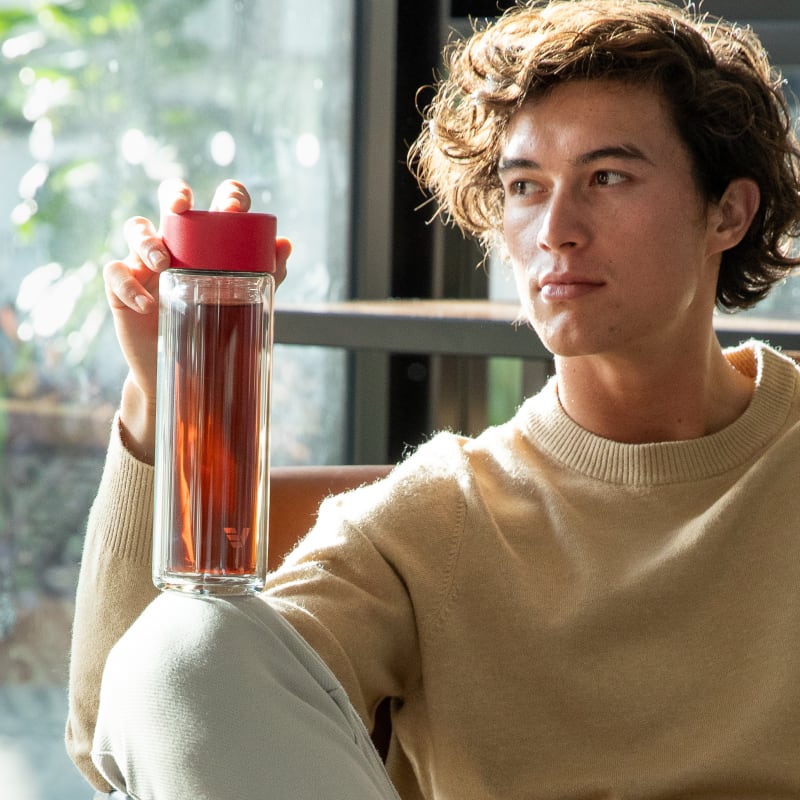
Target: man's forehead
(584,120)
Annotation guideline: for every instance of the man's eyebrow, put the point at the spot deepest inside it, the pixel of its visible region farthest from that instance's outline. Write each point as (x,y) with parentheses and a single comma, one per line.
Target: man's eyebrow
(627,152)
(505,164)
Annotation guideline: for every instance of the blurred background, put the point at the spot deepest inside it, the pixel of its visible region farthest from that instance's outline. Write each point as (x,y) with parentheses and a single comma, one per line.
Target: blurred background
(312,106)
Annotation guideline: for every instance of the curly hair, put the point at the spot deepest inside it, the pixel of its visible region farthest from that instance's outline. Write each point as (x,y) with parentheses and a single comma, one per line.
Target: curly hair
(725,98)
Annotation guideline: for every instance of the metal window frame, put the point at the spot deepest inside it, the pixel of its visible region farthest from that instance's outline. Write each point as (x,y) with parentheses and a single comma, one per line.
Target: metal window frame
(371,230)
(369,344)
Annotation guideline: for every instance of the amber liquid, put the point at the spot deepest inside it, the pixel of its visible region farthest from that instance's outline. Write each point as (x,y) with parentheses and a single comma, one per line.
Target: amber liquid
(216,381)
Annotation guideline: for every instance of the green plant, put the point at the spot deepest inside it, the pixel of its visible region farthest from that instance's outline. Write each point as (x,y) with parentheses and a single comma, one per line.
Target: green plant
(103,94)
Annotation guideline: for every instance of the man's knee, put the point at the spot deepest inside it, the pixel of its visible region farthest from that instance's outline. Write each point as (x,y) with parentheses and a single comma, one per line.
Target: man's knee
(209,692)
(166,690)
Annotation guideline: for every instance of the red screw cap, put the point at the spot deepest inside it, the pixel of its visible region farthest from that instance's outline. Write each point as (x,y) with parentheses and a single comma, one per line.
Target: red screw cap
(221,240)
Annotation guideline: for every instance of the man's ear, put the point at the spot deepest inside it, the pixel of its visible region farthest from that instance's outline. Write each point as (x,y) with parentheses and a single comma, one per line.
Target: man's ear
(734,212)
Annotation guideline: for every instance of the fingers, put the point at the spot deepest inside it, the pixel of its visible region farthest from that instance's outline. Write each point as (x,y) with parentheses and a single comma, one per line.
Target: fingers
(174,196)
(283,249)
(127,281)
(125,290)
(145,243)
(231,196)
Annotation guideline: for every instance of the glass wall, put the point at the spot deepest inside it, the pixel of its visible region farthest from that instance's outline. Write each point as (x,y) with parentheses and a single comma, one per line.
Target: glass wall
(100,102)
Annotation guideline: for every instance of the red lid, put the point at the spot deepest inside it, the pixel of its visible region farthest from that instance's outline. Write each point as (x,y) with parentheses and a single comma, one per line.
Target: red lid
(221,240)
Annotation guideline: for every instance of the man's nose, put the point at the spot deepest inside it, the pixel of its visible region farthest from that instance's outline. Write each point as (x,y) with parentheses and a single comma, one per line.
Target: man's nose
(565,222)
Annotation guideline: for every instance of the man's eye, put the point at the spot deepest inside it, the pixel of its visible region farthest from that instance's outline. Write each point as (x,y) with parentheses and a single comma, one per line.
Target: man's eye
(520,188)
(607,177)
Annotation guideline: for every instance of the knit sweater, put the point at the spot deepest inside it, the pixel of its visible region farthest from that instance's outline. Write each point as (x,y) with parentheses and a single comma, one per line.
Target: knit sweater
(557,615)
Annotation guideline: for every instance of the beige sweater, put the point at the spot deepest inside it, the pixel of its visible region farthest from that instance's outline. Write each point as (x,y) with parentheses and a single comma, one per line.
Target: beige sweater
(558,615)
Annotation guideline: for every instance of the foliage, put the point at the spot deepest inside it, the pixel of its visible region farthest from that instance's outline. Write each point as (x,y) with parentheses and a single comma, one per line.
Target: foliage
(103,103)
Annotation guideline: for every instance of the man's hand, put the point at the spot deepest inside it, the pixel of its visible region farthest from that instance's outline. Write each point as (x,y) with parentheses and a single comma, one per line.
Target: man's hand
(132,292)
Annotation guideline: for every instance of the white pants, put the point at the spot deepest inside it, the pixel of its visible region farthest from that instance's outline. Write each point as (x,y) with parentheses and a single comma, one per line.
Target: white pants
(220,699)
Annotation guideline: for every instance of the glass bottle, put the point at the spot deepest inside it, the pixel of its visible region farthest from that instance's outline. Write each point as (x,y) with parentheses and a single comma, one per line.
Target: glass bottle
(213,403)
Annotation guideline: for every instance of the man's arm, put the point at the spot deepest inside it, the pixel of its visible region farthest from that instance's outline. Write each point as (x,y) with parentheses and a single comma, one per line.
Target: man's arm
(114,586)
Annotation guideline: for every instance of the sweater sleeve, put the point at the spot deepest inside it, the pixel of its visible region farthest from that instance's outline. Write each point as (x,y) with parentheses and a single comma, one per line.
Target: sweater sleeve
(114,586)
(366,586)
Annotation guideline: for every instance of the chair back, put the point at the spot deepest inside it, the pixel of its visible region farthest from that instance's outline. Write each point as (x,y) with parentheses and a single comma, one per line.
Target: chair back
(295,495)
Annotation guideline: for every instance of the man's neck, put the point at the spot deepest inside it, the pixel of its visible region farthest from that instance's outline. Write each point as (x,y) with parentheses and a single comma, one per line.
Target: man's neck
(675,397)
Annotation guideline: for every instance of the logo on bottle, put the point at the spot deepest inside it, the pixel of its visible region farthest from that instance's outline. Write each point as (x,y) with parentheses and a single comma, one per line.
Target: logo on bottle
(237,537)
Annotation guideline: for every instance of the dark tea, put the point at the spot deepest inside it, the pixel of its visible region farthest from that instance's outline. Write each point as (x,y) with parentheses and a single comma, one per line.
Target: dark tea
(211,450)
(217,454)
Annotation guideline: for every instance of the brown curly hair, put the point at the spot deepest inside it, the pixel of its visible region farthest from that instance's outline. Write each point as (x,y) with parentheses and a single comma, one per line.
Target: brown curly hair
(725,98)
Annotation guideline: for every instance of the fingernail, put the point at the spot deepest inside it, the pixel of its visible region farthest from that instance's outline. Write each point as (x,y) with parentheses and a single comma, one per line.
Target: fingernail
(158,259)
(142,302)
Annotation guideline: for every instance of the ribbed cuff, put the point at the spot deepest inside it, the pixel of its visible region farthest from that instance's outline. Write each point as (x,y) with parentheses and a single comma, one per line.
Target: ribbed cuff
(123,508)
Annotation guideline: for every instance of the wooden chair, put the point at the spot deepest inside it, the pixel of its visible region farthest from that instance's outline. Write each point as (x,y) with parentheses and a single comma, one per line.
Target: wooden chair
(295,495)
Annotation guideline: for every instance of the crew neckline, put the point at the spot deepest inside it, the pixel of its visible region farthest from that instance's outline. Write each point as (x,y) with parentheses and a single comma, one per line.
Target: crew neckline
(658,463)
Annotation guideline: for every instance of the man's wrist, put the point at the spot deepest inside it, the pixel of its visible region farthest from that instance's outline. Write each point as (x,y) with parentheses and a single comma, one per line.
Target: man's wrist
(137,422)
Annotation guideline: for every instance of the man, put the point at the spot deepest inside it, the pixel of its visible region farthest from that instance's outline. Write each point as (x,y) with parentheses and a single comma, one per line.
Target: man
(596,599)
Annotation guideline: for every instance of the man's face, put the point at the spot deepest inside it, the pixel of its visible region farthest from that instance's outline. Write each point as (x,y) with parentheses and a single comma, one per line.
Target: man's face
(607,233)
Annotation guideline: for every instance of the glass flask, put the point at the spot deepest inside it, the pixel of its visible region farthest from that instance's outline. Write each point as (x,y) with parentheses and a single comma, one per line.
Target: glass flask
(213,403)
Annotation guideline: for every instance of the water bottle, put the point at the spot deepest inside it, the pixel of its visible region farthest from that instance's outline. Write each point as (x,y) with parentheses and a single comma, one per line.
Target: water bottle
(213,403)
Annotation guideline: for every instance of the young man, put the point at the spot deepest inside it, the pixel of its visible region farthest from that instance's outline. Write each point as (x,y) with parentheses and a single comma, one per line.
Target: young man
(596,599)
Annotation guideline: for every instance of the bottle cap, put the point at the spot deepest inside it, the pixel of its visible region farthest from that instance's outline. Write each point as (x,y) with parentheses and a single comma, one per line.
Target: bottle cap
(232,241)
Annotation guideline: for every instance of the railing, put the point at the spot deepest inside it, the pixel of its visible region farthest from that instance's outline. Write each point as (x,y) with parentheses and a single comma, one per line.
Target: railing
(463,327)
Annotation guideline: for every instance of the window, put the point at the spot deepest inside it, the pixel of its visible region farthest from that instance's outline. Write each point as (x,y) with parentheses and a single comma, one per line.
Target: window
(101,102)
(312,106)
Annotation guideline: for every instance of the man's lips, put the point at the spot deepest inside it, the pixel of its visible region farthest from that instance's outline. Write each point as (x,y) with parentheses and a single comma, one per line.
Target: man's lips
(565,288)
